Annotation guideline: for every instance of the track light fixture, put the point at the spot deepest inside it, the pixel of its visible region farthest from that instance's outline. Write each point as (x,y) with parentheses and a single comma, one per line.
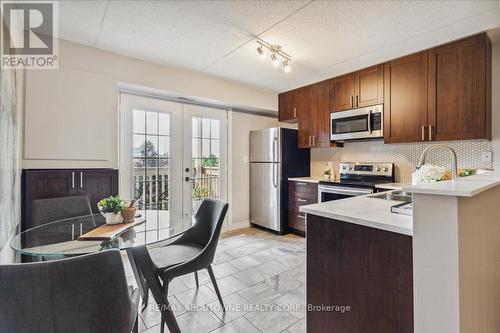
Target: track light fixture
(262,54)
(277,55)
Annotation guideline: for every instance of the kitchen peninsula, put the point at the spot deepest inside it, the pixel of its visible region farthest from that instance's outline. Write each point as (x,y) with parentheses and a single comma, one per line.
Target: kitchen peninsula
(437,271)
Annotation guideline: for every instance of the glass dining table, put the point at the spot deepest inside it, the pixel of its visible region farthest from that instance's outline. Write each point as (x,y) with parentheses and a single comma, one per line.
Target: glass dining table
(61,239)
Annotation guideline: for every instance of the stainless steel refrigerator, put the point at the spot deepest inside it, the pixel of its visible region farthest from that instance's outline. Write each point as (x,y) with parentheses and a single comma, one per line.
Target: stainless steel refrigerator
(274,157)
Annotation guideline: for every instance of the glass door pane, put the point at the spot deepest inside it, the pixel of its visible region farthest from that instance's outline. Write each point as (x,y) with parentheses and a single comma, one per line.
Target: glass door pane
(151,172)
(204,156)
(151,162)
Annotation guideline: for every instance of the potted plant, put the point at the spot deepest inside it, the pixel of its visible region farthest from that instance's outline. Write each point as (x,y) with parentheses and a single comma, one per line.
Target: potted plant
(328,173)
(111,209)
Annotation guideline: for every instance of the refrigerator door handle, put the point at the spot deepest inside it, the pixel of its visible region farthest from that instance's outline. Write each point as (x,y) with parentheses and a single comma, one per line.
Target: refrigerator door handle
(275,176)
(275,148)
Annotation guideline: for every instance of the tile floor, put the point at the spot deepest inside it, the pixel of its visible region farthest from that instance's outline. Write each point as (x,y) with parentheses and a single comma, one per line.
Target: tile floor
(262,279)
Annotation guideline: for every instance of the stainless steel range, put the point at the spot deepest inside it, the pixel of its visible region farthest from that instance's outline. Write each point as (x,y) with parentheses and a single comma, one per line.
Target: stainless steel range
(355,179)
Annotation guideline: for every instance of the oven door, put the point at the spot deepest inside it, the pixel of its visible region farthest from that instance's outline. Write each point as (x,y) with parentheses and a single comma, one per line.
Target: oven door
(332,192)
(357,124)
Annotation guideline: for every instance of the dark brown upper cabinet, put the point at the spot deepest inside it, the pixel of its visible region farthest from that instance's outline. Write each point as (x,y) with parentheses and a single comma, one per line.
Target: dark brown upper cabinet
(369,86)
(314,116)
(460,90)
(321,95)
(287,106)
(358,89)
(439,94)
(307,117)
(405,107)
(342,93)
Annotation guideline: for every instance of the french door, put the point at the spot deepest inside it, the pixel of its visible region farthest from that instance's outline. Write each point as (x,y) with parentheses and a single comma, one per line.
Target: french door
(172,156)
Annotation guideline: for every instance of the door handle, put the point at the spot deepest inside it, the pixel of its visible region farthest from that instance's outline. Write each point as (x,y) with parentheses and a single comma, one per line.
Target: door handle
(423,133)
(275,148)
(73,179)
(188,179)
(81,179)
(275,175)
(357,100)
(352,101)
(430,132)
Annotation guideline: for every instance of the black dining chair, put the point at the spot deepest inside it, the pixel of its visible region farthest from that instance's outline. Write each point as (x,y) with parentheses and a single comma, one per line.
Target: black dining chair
(55,209)
(194,250)
(83,294)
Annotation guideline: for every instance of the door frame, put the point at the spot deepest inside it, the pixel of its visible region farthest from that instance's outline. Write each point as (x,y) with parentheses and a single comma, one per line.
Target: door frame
(188,112)
(128,100)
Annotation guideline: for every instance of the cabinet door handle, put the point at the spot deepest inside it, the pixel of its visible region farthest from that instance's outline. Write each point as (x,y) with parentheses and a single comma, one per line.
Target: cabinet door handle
(81,179)
(73,179)
(301,200)
(310,141)
(314,140)
(423,133)
(300,216)
(303,184)
(430,132)
(352,101)
(357,100)
(295,112)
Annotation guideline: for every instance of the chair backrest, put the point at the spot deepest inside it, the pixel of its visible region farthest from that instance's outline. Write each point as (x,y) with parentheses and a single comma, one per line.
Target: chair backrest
(54,209)
(82,294)
(207,227)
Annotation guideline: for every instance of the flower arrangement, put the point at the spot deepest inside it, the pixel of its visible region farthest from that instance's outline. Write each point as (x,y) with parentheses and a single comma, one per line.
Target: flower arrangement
(428,174)
(111,209)
(112,205)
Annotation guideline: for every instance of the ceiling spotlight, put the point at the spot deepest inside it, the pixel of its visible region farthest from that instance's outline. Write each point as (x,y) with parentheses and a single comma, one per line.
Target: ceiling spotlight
(275,60)
(278,56)
(262,54)
(286,66)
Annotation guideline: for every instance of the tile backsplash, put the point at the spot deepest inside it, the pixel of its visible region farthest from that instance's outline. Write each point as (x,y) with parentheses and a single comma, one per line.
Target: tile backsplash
(404,156)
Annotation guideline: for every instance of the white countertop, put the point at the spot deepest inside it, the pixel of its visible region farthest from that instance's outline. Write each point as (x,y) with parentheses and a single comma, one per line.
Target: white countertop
(461,187)
(392,186)
(306,179)
(364,210)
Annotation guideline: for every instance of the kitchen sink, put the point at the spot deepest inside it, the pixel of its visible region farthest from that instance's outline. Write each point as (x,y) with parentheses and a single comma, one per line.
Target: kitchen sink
(394,195)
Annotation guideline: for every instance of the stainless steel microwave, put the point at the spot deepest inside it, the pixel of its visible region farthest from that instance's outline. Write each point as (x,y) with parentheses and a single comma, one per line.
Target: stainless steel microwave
(362,123)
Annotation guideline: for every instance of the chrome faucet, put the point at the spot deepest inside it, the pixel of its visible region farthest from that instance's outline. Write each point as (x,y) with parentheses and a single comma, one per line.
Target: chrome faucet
(454,172)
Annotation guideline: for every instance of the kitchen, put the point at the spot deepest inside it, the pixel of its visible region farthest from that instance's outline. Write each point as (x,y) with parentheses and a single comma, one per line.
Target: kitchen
(252,166)
(423,106)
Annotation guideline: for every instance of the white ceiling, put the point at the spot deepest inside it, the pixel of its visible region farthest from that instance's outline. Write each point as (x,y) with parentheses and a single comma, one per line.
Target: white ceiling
(325,38)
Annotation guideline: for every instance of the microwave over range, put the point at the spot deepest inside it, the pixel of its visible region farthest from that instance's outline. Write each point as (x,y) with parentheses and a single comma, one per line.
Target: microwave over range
(362,123)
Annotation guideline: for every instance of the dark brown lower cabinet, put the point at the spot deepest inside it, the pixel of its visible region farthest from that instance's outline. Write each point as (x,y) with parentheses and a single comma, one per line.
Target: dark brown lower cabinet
(366,269)
(300,194)
(52,183)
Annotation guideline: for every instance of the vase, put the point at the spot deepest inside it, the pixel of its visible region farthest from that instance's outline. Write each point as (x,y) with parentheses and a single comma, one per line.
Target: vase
(128,215)
(113,218)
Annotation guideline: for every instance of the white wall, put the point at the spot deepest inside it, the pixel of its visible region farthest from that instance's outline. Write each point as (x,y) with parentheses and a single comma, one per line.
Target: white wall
(44,145)
(240,126)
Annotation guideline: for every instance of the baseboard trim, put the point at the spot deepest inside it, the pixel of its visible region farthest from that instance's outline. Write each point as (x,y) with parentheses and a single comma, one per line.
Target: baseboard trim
(235,226)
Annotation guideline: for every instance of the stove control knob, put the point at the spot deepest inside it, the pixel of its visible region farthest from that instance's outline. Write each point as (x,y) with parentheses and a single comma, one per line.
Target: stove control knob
(386,169)
(350,167)
(377,168)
